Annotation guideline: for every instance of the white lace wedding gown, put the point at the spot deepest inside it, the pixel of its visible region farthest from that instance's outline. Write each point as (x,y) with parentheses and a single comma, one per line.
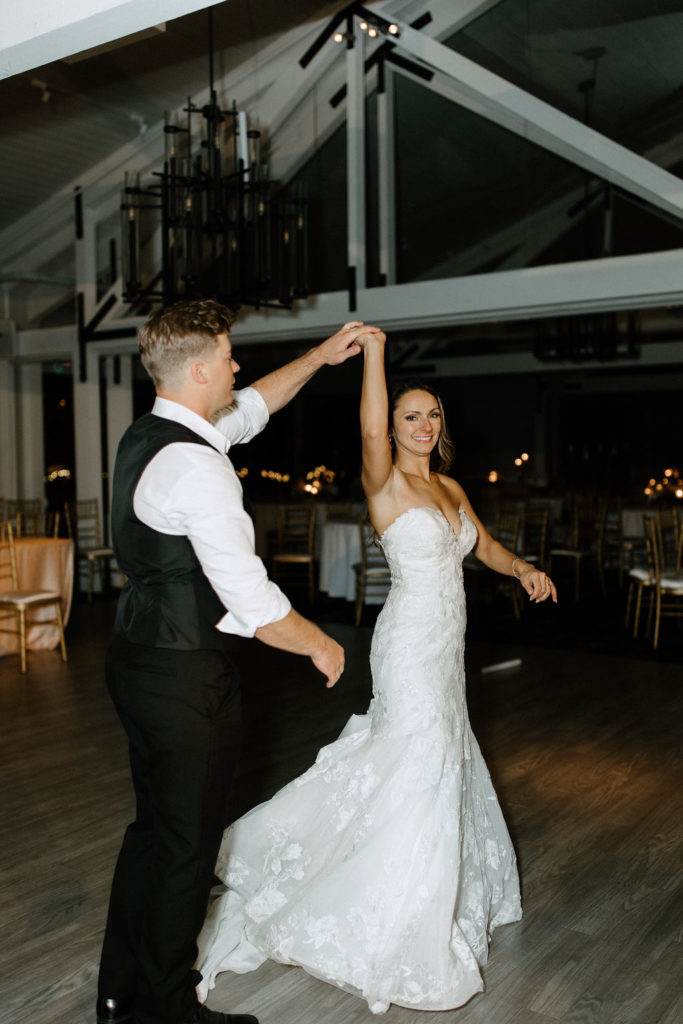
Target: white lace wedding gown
(384,868)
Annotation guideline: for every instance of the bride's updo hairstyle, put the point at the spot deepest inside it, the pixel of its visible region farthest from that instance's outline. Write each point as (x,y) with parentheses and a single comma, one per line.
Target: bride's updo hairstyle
(443,454)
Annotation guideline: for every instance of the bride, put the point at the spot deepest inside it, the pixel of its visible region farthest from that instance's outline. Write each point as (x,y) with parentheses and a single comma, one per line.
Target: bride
(385,868)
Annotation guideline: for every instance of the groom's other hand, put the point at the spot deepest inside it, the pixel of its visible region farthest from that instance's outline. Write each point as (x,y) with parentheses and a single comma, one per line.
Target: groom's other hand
(329,660)
(342,345)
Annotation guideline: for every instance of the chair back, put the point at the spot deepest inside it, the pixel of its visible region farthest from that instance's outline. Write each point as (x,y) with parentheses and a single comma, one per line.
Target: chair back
(534,529)
(371,554)
(295,529)
(41,524)
(8,563)
(667,527)
(83,523)
(28,506)
(507,527)
(373,575)
(652,544)
(584,518)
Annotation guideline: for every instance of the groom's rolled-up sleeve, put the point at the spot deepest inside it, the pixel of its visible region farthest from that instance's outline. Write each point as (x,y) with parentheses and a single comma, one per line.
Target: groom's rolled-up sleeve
(245,418)
(199,495)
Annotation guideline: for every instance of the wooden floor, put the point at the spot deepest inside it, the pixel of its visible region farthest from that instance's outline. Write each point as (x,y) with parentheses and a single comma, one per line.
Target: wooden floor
(584,752)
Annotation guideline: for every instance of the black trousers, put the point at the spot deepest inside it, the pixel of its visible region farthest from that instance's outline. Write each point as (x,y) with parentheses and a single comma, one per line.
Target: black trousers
(181,711)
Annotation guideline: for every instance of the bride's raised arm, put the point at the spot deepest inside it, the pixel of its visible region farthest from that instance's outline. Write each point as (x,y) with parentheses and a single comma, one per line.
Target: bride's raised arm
(374,416)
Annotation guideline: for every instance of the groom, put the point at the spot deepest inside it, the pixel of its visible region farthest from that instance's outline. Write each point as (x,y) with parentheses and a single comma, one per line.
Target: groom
(186,546)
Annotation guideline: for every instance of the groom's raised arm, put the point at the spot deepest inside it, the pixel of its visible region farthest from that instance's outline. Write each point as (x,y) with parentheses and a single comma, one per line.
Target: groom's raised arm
(280,386)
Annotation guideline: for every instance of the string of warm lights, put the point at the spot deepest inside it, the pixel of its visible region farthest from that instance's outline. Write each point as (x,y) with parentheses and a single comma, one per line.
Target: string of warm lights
(271,474)
(373,27)
(57,474)
(670,483)
(521,461)
(316,478)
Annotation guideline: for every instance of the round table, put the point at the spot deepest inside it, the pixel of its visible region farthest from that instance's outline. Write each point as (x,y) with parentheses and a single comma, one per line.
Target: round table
(43,563)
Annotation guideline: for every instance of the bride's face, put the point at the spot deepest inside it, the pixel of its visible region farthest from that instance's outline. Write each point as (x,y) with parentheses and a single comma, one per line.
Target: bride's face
(416,423)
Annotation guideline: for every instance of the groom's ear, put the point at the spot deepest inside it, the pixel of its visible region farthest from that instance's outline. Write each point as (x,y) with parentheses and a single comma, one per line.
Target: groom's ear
(197,372)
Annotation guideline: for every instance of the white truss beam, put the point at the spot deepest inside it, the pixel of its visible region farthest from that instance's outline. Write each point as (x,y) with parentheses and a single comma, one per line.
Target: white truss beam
(646,281)
(499,101)
(505,363)
(355,159)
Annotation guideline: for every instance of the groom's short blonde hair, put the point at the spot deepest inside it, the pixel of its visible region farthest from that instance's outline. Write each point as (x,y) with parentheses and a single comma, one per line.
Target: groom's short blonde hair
(175,335)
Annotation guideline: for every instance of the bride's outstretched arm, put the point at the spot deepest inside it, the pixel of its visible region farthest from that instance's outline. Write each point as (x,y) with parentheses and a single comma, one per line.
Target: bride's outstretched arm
(374,416)
(491,552)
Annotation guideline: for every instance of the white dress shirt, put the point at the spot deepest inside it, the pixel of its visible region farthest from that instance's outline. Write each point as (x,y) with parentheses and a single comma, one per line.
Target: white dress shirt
(192,490)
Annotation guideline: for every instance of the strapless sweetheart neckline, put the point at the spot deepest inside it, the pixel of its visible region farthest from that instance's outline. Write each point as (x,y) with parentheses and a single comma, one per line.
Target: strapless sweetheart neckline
(426,508)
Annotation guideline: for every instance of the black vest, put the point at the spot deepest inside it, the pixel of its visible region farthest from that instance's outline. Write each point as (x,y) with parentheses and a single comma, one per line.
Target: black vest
(167,601)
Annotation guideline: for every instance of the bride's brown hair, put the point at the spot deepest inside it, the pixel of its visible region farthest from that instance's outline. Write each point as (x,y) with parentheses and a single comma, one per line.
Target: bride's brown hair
(444,452)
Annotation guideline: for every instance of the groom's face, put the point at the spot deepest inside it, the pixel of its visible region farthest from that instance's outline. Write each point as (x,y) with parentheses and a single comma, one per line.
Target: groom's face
(221,368)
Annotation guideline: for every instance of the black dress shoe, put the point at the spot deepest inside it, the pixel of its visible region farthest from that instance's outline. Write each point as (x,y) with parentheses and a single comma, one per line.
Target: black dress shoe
(113,1011)
(203,1015)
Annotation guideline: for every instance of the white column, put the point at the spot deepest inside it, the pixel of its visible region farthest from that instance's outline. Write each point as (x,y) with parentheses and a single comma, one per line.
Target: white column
(86,261)
(31,468)
(355,154)
(88,429)
(386,161)
(9,484)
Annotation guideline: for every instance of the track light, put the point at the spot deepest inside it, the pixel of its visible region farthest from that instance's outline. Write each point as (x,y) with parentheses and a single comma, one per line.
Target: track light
(373,26)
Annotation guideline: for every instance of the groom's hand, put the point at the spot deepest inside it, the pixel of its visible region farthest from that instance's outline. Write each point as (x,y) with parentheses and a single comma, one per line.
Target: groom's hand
(342,345)
(329,660)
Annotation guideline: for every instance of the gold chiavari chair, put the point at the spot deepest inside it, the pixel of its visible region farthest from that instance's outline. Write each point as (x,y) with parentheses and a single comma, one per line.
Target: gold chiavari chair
(84,527)
(585,540)
(23,507)
(293,558)
(618,543)
(534,534)
(507,530)
(16,604)
(373,576)
(640,580)
(666,591)
(668,526)
(42,524)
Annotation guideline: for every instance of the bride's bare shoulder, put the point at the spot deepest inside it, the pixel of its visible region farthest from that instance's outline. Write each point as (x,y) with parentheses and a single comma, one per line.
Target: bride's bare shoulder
(452,487)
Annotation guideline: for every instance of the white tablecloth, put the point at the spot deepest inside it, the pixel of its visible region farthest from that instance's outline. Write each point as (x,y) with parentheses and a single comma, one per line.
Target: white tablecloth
(43,563)
(339,551)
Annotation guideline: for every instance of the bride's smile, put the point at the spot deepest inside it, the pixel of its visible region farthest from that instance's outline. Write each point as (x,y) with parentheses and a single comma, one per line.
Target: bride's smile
(416,423)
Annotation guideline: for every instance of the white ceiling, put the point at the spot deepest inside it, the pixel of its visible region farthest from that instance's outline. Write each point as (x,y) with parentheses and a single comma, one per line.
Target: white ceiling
(59,118)
(65,117)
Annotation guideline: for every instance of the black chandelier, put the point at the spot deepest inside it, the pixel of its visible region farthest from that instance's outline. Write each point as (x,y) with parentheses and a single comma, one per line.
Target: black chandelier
(227,231)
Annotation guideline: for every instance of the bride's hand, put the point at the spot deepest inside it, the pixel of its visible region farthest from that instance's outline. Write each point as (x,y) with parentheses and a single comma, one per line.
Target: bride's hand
(345,343)
(378,337)
(538,586)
